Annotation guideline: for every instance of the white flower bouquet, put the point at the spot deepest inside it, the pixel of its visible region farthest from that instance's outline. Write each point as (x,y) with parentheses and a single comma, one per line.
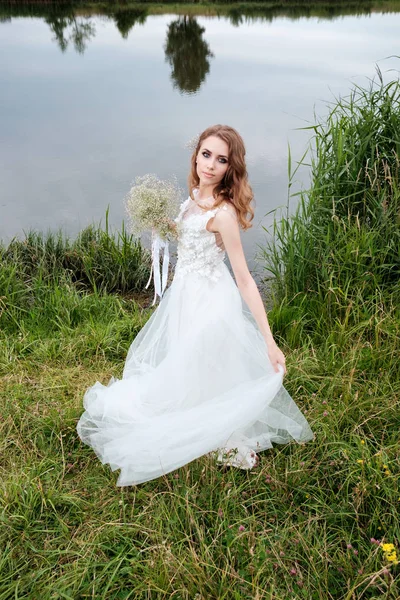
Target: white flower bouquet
(151,205)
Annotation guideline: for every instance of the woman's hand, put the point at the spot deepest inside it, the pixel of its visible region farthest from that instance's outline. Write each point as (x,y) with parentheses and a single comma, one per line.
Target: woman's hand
(165,226)
(171,226)
(276,356)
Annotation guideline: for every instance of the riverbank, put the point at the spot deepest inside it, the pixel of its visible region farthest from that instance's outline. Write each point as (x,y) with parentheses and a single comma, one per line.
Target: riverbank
(132,12)
(308,521)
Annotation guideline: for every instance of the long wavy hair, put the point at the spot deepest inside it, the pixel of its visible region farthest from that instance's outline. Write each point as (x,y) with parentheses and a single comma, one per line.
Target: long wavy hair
(234,187)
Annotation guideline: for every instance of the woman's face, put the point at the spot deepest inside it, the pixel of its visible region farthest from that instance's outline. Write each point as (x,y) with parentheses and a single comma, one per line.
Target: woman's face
(212,160)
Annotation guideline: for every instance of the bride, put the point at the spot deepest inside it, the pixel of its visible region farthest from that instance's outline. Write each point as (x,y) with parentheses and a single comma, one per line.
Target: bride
(204,374)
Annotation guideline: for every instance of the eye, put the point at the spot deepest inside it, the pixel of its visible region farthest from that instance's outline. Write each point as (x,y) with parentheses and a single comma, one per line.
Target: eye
(223,160)
(204,153)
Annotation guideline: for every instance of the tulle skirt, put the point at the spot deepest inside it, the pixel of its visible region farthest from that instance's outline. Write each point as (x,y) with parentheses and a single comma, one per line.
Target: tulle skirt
(197,379)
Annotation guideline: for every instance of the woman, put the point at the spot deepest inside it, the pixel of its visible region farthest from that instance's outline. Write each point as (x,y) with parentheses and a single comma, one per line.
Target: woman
(204,375)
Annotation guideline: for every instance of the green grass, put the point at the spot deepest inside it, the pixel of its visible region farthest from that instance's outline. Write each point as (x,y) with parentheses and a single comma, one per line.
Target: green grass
(335,262)
(300,525)
(69,532)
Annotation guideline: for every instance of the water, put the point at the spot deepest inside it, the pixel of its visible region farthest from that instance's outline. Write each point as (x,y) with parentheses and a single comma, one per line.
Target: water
(84,113)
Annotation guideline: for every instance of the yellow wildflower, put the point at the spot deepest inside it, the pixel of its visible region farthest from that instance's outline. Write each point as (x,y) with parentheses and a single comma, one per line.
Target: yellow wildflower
(390,553)
(360,461)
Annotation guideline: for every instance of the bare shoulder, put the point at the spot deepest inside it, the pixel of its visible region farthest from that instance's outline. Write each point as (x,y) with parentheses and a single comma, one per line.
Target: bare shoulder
(225,216)
(229,208)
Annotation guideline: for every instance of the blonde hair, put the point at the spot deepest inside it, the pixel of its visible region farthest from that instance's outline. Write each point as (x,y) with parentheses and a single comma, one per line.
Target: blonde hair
(234,187)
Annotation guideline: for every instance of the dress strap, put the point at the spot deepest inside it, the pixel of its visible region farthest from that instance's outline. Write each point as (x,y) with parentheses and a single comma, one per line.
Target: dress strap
(209,214)
(215,210)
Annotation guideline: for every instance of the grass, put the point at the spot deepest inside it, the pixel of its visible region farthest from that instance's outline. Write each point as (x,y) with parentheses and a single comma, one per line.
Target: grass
(335,262)
(68,532)
(304,523)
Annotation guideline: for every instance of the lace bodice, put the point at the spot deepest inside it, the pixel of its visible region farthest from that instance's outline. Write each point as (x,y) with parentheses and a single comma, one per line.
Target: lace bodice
(197,249)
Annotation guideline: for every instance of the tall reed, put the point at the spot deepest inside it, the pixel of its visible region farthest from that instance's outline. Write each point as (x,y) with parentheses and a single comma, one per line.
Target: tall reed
(338,255)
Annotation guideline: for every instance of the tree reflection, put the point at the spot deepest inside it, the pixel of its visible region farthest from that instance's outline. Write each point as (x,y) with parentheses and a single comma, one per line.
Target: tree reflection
(71,29)
(126,19)
(187,53)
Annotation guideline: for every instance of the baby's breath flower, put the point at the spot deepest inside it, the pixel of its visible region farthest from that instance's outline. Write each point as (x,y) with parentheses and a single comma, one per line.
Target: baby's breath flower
(192,143)
(152,204)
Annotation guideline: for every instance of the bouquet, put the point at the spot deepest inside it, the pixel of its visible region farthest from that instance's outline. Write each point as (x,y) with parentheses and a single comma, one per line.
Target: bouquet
(151,204)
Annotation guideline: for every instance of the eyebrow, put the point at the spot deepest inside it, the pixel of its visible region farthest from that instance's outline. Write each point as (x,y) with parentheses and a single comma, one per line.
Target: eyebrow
(221,155)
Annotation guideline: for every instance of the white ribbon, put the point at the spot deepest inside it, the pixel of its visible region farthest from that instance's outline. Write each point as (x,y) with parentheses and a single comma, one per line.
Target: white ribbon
(158,244)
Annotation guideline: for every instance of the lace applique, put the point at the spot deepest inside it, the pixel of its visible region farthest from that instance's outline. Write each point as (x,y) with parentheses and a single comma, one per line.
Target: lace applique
(197,249)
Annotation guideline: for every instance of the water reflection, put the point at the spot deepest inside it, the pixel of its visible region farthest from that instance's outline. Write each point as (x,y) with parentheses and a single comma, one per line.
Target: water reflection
(187,53)
(126,19)
(77,128)
(185,49)
(244,14)
(293,9)
(78,30)
(68,27)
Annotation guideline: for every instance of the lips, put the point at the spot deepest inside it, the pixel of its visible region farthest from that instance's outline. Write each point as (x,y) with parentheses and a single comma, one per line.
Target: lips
(208,174)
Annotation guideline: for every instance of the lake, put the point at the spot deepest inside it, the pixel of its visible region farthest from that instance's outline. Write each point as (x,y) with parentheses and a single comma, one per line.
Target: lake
(92,98)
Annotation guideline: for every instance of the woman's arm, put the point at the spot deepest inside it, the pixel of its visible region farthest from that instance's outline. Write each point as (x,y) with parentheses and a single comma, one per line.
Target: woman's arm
(225,222)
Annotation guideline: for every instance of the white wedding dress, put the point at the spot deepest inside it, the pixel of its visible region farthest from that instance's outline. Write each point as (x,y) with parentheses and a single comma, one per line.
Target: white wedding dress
(197,378)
